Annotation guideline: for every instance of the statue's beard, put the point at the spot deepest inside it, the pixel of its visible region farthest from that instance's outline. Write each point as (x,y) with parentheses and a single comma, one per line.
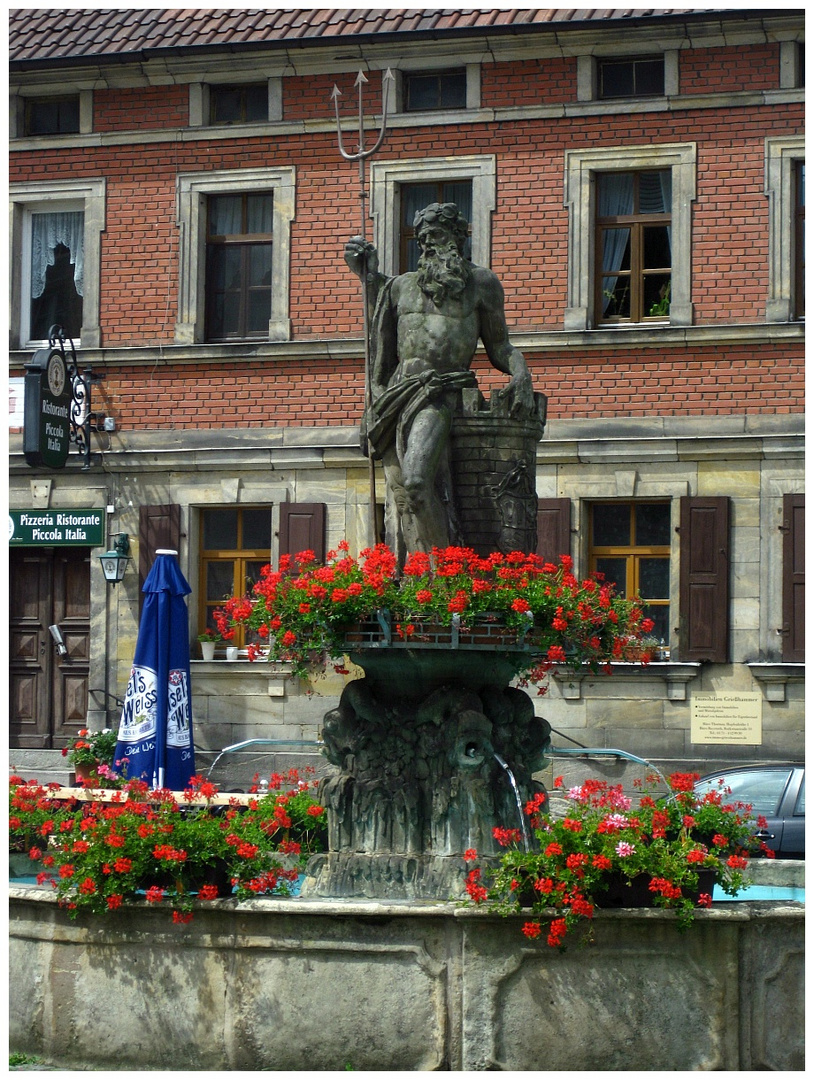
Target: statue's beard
(442,272)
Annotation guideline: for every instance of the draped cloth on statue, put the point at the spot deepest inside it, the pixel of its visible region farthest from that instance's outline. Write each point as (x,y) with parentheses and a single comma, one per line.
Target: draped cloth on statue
(388,420)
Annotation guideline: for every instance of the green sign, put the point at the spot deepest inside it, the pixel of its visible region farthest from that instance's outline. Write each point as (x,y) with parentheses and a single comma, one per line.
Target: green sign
(47,430)
(56,528)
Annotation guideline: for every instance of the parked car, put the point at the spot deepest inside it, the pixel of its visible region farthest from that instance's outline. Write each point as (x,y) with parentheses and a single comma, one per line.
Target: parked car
(778,793)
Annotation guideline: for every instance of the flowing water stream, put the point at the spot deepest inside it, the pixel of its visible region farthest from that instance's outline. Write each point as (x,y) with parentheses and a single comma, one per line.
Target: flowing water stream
(524,832)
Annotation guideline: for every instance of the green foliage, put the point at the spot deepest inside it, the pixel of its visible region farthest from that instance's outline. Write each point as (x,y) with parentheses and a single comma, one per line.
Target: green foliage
(305,616)
(92,747)
(604,838)
(98,853)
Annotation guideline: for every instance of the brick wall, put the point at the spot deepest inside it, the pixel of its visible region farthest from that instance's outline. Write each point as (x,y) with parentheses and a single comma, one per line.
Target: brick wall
(529,243)
(529,82)
(312,393)
(140,245)
(147,107)
(728,69)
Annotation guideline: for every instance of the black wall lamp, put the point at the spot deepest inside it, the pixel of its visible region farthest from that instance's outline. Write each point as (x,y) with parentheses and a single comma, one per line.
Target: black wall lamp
(114,562)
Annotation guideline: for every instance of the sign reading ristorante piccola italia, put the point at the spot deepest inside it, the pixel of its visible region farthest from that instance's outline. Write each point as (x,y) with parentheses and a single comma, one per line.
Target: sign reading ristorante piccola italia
(56,528)
(47,416)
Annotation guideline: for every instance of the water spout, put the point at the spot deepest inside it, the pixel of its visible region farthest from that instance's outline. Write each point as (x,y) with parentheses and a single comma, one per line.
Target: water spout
(524,832)
(261,742)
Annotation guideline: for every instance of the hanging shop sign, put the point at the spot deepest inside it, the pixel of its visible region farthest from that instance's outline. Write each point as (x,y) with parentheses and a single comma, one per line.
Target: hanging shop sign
(48,397)
(56,528)
(57,405)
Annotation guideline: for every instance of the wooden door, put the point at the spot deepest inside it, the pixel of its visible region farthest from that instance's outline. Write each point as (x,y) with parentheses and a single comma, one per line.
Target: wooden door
(31,648)
(49,692)
(71,612)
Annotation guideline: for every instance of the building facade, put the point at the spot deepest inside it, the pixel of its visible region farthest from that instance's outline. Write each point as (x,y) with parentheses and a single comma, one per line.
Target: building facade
(179,205)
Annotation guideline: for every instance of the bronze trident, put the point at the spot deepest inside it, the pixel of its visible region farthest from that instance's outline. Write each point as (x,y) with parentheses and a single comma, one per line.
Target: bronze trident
(361,156)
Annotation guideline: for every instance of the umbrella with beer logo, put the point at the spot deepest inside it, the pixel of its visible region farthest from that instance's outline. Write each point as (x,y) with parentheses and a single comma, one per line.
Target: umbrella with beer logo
(155,730)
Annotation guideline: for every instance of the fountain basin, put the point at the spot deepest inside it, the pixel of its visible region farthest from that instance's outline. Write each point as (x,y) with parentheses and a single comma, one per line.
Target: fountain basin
(403,986)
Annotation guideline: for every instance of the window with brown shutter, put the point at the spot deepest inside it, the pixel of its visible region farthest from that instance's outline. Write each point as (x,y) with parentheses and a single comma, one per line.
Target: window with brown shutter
(704,579)
(793,629)
(235,546)
(553,529)
(629,544)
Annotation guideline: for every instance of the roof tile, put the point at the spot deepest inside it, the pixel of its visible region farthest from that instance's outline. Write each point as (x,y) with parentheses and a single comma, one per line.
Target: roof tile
(43,34)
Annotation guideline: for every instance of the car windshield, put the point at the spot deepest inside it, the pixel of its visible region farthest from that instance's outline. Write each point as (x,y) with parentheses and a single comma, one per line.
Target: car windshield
(762,789)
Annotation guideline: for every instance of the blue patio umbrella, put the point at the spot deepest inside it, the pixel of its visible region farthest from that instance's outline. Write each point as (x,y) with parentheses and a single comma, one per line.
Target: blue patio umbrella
(155,730)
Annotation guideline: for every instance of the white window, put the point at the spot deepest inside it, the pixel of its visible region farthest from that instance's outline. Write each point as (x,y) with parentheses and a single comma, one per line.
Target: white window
(784,188)
(582,167)
(194,191)
(388,178)
(56,253)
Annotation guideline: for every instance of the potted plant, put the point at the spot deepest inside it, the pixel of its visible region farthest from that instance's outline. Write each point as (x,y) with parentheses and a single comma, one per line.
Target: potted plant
(308,615)
(90,752)
(208,639)
(170,849)
(611,850)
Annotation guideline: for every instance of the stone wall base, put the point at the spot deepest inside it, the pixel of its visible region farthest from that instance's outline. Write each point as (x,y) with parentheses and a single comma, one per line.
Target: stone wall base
(332,984)
(386,875)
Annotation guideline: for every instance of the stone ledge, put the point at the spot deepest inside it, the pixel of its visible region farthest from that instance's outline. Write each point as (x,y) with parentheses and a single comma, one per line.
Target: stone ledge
(674,675)
(773,678)
(530,341)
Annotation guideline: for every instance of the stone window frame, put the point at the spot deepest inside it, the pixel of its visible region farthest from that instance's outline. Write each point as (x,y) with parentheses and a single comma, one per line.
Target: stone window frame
(17,111)
(473,87)
(47,196)
(588,74)
(199,101)
(192,190)
(386,178)
(581,166)
(782,153)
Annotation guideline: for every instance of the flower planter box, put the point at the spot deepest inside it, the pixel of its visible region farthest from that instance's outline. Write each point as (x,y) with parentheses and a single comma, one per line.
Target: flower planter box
(636,893)
(485,632)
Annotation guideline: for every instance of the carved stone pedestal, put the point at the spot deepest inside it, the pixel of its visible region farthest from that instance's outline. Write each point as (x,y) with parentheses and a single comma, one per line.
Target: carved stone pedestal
(434,749)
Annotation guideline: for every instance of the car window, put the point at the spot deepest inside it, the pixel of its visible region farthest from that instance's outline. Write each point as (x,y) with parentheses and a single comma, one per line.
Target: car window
(762,789)
(800,805)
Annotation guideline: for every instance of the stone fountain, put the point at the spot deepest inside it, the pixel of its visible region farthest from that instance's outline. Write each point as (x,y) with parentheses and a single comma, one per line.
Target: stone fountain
(433,747)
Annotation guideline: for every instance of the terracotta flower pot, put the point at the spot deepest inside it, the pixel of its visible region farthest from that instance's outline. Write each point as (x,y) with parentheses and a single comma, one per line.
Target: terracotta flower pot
(86,774)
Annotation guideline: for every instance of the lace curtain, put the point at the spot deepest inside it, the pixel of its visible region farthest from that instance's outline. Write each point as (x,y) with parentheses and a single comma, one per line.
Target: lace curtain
(49,230)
